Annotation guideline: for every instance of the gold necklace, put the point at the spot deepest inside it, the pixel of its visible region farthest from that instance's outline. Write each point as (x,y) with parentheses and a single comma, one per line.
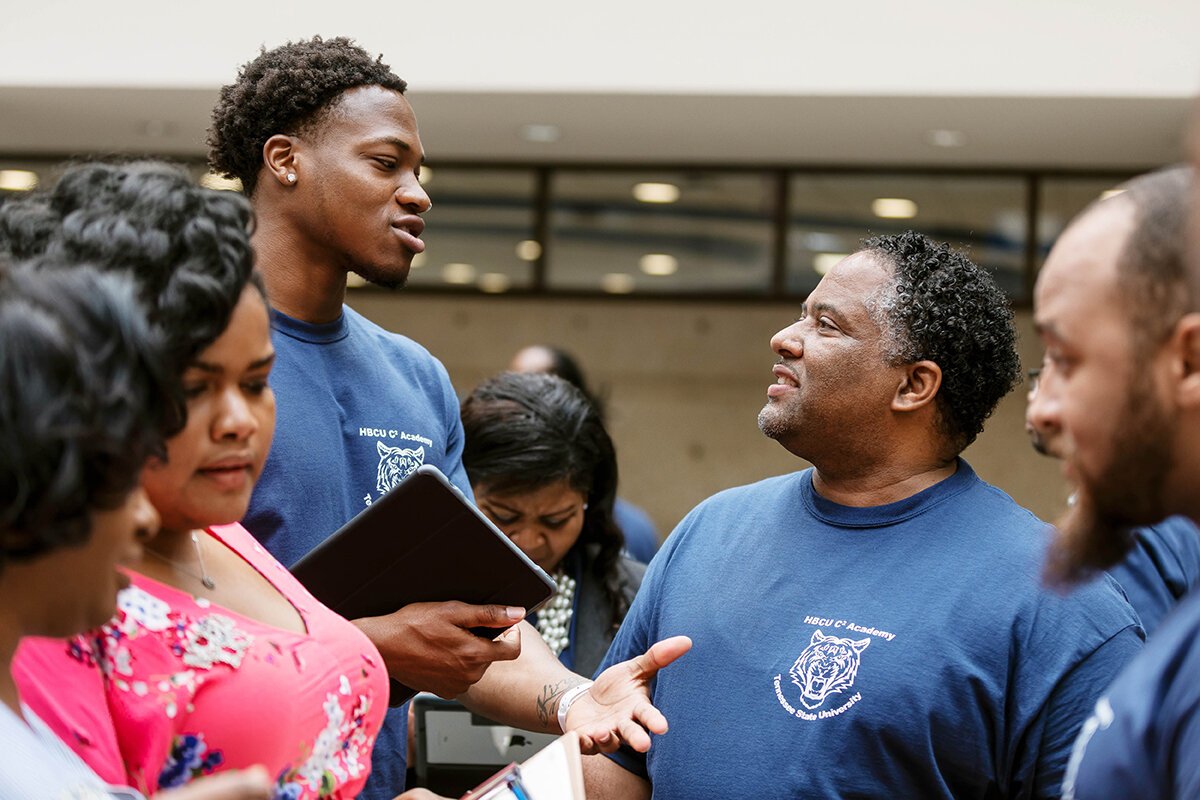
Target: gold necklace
(203,577)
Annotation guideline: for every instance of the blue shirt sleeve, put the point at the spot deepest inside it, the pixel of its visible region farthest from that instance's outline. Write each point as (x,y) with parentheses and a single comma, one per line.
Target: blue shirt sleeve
(1072,701)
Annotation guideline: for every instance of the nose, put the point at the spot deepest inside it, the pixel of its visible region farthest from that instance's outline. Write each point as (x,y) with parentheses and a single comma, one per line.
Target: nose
(234,418)
(145,516)
(1043,414)
(526,537)
(789,343)
(411,195)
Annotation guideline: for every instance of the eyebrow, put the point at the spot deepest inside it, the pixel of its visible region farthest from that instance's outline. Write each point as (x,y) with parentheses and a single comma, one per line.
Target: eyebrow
(395,142)
(500,504)
(217,369)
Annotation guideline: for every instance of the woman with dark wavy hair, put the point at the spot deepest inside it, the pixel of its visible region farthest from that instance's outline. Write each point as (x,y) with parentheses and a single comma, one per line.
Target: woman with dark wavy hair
(217,657)
(542,468)
(81,410)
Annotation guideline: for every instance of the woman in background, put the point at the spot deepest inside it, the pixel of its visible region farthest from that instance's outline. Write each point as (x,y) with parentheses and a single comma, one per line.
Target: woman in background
(542,468)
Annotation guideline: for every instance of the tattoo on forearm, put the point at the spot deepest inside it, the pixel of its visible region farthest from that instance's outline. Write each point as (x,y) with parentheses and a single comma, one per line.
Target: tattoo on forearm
(547,701)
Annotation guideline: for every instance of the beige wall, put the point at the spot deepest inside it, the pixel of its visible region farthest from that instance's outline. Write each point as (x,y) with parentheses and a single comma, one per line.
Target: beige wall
(684,383)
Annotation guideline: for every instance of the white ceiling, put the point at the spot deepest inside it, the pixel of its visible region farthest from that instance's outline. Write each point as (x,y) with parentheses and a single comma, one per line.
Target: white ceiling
(1099,132)
(1042,83)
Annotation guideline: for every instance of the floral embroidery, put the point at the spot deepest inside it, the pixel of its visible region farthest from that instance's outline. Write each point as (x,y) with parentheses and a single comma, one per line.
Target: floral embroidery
(189,758)
(336,755)
(213,639)
(137,608)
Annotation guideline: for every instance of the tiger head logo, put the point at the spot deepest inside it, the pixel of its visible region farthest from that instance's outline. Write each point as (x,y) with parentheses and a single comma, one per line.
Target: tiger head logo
(396,464)
(827,666)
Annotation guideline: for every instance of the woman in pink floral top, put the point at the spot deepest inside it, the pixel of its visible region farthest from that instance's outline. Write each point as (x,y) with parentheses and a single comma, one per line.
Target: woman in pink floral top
(217,658)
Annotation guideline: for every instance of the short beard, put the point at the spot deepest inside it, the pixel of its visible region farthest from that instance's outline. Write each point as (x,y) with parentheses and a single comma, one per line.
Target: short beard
(772,423)
(1096,533)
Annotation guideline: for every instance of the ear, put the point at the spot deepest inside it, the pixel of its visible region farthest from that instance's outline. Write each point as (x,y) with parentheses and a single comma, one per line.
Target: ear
(1185,347)
(279,158)
(919,387)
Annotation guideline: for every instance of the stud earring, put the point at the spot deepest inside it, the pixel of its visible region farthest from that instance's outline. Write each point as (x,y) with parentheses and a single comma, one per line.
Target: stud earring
(291,177)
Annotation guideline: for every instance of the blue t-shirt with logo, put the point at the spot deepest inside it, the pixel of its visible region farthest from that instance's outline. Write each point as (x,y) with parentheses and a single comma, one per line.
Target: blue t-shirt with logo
(1143,740)
(904,650)
(358,409)
(1162,567)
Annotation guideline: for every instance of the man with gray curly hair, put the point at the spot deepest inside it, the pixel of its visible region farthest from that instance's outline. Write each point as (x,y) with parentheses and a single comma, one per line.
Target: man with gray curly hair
(898,641)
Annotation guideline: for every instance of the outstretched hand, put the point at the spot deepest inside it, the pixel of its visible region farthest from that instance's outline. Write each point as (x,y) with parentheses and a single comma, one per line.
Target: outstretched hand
(430,646)
(617,708)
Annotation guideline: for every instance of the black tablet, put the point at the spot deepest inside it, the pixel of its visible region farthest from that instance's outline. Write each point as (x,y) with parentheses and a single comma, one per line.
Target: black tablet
(423,541)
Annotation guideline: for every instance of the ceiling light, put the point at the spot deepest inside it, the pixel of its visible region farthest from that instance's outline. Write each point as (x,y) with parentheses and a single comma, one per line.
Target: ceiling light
(211,180)
(355,281)
(18,180)
(458,274)
(1111,193)
(823,262)
(659,264)
(426,176)
(418,261)
(945,137)
(656,192)
(894,208)
(529,250)
(494,282)
(541,134)
(617,283)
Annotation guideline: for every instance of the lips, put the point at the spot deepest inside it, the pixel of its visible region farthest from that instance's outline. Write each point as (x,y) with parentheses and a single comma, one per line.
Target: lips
(409,229)
(785,381)
(229,472)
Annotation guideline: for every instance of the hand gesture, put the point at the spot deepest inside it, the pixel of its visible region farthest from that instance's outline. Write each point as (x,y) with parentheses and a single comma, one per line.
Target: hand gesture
(430,647)
(617,707)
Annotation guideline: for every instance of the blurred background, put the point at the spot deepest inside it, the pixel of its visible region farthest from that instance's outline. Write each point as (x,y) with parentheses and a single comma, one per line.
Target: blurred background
(654,186)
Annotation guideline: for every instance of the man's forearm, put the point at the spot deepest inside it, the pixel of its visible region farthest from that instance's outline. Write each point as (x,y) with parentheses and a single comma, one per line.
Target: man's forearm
(523,693)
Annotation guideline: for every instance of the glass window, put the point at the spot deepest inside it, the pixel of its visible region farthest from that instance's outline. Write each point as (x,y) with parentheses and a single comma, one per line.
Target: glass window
(480,232)
(829,215)
(1060,199)
(660,232)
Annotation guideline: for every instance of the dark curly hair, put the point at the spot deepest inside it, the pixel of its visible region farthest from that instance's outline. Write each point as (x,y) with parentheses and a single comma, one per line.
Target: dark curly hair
(524,431)
(81,408)
(187,248)
(944,308)
(287,90)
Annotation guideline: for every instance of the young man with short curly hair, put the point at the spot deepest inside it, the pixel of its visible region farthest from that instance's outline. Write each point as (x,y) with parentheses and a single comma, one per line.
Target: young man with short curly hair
(898,641)
(327,147)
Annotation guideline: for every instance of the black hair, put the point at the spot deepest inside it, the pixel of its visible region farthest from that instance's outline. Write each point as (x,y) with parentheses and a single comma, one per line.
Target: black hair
(186,247)
(81,409)
(287,90)
(943,308)
(1152,267)
(524,431)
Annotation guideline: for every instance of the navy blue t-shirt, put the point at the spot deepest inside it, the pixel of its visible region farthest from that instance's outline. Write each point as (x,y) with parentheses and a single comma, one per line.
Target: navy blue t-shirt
(358,409)
(1162,567)
(905,650)
(1143,740)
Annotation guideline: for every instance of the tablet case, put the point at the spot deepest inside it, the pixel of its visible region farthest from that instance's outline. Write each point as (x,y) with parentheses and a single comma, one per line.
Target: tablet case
(423,541)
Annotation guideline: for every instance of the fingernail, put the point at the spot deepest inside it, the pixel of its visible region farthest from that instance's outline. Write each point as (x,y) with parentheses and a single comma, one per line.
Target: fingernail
(514,613)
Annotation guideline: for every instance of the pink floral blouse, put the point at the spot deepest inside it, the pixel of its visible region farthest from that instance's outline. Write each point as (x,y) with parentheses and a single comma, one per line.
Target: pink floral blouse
(174,687)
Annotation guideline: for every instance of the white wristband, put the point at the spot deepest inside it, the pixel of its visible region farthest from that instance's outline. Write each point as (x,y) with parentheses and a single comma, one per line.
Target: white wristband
(569,697)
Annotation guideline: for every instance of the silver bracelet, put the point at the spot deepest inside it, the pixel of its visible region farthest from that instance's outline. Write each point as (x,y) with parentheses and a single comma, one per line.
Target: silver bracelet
(569,697)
